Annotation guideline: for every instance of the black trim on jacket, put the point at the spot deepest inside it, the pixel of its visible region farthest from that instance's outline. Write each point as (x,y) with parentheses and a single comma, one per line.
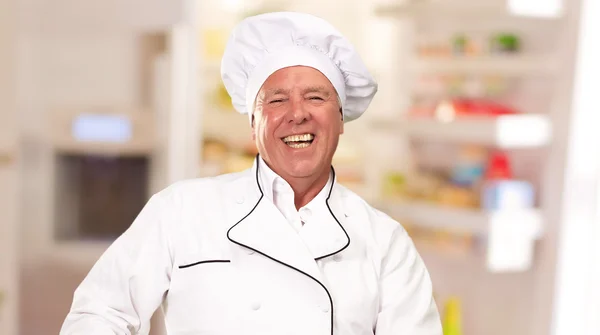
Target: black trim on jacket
(283,263)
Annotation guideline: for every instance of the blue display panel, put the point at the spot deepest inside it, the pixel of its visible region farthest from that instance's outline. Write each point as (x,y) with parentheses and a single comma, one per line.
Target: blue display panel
(101,128)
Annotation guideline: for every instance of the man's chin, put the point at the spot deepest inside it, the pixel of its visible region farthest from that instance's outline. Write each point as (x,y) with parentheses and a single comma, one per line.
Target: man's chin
(303,168)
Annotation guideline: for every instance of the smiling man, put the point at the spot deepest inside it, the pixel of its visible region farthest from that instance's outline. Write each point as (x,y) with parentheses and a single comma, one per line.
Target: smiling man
(281,248)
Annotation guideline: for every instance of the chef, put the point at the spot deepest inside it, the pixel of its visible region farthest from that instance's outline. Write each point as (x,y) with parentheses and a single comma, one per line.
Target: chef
(281,248)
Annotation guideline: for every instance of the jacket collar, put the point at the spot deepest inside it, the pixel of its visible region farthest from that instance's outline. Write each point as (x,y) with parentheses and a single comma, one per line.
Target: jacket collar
(270,183)
(263,228)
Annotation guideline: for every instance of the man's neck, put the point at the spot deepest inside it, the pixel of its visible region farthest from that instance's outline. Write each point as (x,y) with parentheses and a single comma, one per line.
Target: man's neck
(306,189)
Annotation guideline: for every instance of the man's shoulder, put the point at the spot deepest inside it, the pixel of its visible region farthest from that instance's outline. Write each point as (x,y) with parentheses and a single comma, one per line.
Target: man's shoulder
(368,209)
(369,222)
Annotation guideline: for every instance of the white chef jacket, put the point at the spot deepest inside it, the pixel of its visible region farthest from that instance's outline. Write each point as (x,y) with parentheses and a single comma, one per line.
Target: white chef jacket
(221,259)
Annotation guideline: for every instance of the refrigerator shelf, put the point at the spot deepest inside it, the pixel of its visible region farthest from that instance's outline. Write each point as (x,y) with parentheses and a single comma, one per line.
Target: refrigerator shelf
(508,236)
(506,65)
(509,131)
(478,222)
(455,9)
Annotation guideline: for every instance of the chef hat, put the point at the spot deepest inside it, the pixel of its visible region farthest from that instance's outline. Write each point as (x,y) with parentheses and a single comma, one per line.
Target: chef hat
(263,44)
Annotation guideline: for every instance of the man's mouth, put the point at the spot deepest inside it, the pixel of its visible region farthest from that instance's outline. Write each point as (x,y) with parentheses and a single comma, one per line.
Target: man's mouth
(299,141)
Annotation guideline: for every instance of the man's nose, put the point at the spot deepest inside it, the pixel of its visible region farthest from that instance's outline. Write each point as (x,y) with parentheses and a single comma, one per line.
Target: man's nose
(298,114)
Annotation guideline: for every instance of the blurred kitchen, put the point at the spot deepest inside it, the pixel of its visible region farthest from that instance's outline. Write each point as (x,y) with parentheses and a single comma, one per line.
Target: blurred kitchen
(481,142)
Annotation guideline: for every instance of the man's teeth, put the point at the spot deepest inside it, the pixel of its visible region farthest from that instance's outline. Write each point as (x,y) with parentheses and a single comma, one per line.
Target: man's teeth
(298,145)
(299,141)
(298,138)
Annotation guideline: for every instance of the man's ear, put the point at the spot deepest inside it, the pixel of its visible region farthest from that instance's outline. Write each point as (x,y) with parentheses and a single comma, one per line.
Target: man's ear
(252,125)
(342,123)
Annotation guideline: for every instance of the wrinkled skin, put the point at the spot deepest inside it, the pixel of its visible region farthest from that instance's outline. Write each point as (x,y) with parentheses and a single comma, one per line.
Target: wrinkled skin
(292,101)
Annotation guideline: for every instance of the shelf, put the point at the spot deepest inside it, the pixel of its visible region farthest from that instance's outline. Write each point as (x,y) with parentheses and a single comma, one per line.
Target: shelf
(510,131)
(479,222)
(505,65)
(509,236)
(453,9)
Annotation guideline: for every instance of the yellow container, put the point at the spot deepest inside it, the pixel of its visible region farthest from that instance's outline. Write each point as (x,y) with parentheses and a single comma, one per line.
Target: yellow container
(452,321)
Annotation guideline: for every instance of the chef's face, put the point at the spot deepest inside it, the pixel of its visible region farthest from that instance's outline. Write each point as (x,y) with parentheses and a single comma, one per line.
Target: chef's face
(297,122)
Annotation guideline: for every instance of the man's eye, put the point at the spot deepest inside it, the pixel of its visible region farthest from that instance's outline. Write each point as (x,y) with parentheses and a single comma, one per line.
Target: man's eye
(316,98)
(276,101)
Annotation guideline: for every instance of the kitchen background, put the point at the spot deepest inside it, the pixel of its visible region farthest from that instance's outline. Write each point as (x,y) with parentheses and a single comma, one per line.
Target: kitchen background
(480,142)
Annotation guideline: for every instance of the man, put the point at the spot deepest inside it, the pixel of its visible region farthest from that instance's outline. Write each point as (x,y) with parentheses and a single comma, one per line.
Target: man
(280,248)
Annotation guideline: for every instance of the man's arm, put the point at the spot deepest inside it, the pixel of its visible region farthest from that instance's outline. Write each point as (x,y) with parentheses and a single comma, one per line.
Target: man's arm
(129,281)
(407,305)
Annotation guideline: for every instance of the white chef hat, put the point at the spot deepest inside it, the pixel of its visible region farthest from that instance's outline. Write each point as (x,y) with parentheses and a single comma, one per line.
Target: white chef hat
(263,44)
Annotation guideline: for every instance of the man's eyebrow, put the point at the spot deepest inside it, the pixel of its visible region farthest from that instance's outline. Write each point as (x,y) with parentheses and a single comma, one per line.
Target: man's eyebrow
(311,89)
(317,89)
(275,91)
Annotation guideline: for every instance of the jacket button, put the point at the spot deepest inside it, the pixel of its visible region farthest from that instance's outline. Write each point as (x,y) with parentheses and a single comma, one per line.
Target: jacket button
(325,309)
(255,306)
(306,212)
(240,200)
